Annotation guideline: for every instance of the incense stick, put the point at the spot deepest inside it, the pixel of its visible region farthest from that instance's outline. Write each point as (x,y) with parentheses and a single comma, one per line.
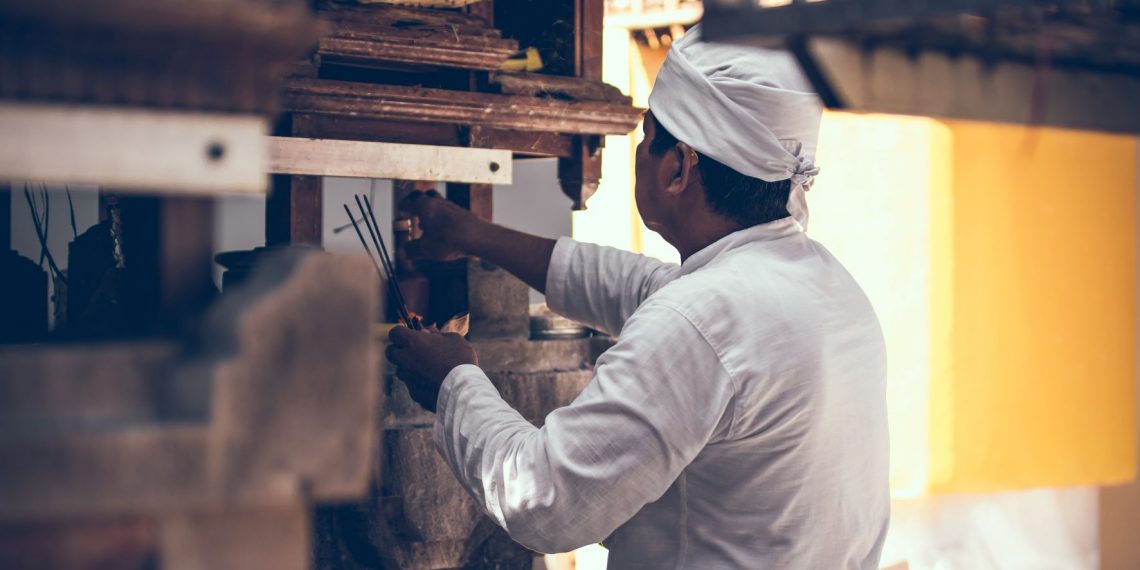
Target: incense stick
(386,261)
(383,246)
(400,314)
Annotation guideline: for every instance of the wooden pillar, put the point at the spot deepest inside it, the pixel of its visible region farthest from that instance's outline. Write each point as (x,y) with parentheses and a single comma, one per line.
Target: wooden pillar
(293,209)
(580,174)
(475,197)
(168,258)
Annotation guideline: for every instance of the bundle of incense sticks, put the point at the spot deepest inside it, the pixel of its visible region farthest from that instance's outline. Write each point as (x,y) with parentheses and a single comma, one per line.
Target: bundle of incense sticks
(388,271)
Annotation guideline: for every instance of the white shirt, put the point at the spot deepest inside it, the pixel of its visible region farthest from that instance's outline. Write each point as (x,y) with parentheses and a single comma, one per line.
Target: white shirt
(738,422)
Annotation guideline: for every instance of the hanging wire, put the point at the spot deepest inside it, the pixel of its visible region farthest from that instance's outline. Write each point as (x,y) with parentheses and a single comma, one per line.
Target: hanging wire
(71,211)
(40,225)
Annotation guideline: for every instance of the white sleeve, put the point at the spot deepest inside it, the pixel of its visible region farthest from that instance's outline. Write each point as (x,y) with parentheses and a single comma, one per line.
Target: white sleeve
(602,286)
(655,401)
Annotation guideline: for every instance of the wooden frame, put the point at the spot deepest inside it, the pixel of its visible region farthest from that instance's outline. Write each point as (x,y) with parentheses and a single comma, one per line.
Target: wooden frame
(130,149)
(357,159)
(417,104)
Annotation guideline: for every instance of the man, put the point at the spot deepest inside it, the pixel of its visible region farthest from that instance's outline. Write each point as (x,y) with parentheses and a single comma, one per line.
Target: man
(740,419)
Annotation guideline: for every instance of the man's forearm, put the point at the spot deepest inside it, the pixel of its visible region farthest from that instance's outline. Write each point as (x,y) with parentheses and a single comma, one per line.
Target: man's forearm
(524,255)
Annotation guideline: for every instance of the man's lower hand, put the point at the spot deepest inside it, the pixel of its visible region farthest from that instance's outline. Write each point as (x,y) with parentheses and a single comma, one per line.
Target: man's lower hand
(423,360)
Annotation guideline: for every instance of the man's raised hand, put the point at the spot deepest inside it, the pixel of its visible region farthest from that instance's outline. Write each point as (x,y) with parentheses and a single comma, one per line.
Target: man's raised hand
(444,226)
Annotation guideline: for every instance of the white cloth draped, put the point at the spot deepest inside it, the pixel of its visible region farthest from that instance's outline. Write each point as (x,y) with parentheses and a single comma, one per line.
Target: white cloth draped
(747,107)
(739,421)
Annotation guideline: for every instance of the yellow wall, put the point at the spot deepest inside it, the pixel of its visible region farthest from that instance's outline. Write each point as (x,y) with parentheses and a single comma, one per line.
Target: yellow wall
(1033,306)
(1001,262)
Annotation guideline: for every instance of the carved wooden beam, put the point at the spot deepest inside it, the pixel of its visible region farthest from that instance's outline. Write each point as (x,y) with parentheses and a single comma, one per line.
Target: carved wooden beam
(396,102)
(384,34)
(568,88)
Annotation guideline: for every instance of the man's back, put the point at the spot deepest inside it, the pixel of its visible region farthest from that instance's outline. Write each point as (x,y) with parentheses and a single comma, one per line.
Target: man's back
(738,422)
(795,475)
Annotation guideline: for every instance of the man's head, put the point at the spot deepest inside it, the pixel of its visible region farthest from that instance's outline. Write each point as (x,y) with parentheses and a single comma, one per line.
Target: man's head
(729,140)
(667,169)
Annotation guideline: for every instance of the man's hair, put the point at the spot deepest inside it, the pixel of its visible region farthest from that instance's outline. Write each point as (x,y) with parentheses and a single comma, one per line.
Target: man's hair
(743,199)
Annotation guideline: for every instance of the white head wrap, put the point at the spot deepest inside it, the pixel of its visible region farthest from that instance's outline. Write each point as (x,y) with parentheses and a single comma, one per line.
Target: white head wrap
(749,108)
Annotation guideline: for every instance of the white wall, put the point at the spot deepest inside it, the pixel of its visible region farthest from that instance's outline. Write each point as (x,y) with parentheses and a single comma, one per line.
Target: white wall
(534,203)
(86,202)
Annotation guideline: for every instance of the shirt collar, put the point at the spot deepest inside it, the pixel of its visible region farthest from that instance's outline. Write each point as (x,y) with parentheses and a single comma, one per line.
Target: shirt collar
(770,231)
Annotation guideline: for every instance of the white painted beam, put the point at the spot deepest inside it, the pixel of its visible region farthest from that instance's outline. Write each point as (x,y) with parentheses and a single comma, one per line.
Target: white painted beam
(359,159)
(159,152)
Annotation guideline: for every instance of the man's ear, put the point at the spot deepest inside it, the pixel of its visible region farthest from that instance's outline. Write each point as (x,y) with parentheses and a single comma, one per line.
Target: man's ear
(683,163)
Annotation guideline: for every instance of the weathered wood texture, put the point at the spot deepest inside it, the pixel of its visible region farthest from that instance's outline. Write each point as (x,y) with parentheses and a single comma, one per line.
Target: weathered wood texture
(938,84)
(529,143)
(118,387)
(203,436)
(359,159)
(478,198)
(293,209)
(567,88)
(226,56)
(403,103)
(168,248)
(128,543)
(133,149)
(388,34)
(1064,64)
(237,539)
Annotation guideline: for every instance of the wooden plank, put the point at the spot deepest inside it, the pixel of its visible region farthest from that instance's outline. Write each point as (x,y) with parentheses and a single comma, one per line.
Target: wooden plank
(423,37)
(130,149)
(527,143)
(358,159)
(416,104)
(967,87)
(573,88)
(281,23)
(382,49)
(378,130)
